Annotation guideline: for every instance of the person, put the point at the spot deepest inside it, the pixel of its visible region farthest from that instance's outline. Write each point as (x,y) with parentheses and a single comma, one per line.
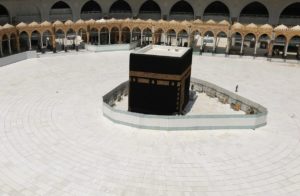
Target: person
(236,88)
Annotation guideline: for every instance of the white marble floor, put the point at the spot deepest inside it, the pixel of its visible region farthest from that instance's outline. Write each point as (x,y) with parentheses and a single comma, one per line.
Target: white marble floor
(54,139)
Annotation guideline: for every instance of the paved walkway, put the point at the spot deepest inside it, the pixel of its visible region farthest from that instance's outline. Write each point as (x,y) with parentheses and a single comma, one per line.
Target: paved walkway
(54,139)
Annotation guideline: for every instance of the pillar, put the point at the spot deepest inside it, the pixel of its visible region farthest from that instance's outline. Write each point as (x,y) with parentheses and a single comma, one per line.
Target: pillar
(130,36)
(88,37)
(202,42)
(153,37)
(120,36)
(270,49)
(228,45)
(99,38)
(215,44)
(189,40)
(286,49)
(18,43)
(176,38)
(255,47)
(9,46)
(141,37)
(109,42)
(29,43)
(42,41)
(242,46)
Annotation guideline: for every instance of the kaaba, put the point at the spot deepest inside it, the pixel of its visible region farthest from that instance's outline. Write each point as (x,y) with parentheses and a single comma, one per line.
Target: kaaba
(159,80)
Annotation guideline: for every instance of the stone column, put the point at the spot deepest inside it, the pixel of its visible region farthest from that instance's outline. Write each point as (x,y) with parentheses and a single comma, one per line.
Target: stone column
(215,44)
(54,42)
(242,46)
(270,49)
(176,38)
(42,41)
(141,37)
(109,42)
(189,40)
(29,43)
(18,43)
(130,36)
(286,49)
(255,47)
(202,42)
(87,37)
(9,46)
(228,45)
(153,37)
(99,38)
(120,37)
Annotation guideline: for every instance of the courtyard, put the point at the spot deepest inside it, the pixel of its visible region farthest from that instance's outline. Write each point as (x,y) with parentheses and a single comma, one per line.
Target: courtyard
(54,139)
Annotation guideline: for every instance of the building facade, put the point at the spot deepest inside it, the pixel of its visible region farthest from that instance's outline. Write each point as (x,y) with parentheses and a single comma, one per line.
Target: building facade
(273,12)
(230,27)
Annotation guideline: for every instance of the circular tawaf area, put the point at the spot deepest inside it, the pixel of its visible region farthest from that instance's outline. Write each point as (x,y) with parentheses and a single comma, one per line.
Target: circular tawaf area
(54,139)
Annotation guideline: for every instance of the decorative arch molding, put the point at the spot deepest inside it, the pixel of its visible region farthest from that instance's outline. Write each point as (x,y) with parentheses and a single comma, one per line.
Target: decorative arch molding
(120,9)
(4,15)
(182,10)
(150,9)
(254,12)
(91,10)
(60,10)
(290,15)
(217,11)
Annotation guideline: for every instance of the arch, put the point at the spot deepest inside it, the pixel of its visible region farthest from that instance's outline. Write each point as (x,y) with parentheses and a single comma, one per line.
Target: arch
(60,11)
(150,10)
(159,37)
(294,48)
(216,11)
(24,41)
(83,35)
(70,39)
(120,9)
(125,37)
(195,40)
(4,15)
(249,44)
(47,40)
(263,45)
(208,42)
(60,37)
(28,13)
(182,38)
(182,10)
(5,45)
(236,43)
(290,15)
(94,36)
(114,35)
(279,46)
(254,12)
(171,37)
(221,42)
(104,36)
(13,43)
(91,10)
(147,36)
(136,35)
(36,40)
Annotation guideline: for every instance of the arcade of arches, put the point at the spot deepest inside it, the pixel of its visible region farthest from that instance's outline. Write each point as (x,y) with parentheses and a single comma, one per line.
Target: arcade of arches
(210,36)
(259,12)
